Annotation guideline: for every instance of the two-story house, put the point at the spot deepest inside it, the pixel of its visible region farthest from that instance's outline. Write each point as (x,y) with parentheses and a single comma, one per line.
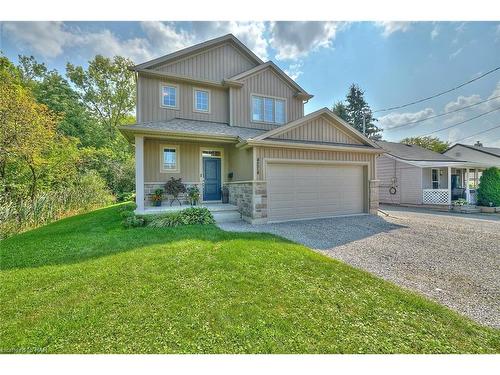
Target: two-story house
(216,115)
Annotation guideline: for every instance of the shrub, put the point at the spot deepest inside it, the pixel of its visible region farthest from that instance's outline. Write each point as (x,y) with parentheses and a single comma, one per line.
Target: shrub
(125,196)
(197,215)
(489,188)
(16,216)
(134,221)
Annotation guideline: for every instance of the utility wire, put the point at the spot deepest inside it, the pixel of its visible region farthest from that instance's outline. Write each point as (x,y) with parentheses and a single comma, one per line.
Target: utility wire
(442,114)
(481,132)
(438,94)
(461,122)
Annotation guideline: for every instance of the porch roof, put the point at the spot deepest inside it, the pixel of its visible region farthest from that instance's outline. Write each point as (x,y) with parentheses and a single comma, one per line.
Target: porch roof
(193,128)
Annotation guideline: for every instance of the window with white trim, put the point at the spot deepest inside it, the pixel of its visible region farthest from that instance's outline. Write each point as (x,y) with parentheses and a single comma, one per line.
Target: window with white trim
(170,159)
(435,178)
(169,96)
(201,100)
(267,109)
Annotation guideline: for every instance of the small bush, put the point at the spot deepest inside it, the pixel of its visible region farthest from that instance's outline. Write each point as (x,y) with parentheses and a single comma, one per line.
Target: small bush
(197,215)
(125,197)
(134,221)
(489,188)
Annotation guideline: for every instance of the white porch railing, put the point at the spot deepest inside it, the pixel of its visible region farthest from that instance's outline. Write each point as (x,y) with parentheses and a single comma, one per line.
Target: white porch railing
(435,196)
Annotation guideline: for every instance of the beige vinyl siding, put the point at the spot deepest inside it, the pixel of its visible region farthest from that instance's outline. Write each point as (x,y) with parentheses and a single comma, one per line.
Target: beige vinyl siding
(149,106)
(263,153)
(463,153)
(263,83)
(189,158)
(241,164)
(411,185)
(214,64)
(318,129)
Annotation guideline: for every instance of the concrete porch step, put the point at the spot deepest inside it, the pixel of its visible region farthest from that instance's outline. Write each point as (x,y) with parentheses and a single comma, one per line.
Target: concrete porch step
(226,216)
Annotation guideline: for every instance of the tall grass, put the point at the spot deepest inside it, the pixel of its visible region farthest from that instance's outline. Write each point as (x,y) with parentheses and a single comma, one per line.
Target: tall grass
(20,215)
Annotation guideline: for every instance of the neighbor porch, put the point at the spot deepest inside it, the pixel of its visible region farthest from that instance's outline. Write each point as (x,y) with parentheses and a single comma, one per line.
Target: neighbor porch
(446,184)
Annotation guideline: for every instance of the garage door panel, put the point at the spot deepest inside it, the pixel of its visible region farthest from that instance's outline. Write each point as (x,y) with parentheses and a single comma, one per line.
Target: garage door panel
(304,191)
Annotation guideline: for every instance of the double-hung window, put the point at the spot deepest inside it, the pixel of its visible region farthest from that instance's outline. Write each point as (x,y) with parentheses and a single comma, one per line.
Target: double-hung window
(170,159)
(201,100)
(169,96)
(266,109)
(435,178)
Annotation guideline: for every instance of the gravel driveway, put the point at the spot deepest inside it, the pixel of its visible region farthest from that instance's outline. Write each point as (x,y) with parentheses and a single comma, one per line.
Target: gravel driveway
(451,258)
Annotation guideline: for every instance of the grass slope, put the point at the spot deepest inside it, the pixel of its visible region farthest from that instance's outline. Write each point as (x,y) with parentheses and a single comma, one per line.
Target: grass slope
(86,285)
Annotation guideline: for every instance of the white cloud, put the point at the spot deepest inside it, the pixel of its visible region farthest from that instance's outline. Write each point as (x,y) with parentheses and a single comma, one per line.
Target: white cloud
(435,32)
(462,101)
(390,27)
(294,70)
(296,39)
(46,38)
(456,53)
(396,119)
(52,39)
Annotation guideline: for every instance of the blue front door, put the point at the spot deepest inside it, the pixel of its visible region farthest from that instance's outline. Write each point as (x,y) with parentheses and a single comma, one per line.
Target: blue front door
(212,174)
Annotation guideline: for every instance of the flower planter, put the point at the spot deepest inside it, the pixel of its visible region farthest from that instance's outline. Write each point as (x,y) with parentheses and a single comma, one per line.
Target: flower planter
(156,203)
(488,210)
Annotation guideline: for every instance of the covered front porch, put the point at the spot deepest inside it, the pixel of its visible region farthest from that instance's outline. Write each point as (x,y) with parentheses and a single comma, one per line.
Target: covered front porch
(442,185)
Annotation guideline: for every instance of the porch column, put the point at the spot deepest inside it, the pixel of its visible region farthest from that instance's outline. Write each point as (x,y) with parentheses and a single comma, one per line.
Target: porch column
(467,191)
(139,173)
(449,185)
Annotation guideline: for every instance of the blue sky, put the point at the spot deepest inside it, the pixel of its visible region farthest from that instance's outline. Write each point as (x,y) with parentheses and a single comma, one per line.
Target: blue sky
(394,62)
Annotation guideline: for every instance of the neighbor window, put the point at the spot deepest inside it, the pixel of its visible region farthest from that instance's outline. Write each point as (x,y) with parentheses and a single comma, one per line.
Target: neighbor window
(201,100)
(169,96)
(169,159)
(265,109)
(435,178)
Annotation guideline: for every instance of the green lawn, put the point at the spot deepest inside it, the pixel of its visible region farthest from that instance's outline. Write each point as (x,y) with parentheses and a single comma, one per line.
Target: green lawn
(87,285)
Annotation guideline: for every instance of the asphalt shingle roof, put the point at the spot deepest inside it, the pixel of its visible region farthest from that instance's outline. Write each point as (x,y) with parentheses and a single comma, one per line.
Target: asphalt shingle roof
(412,152)
(196,127)
(489,150)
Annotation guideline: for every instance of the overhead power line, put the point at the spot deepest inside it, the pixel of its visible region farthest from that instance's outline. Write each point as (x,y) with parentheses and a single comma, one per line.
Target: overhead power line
(461,122)
(442,114)
(439,93)
(481,132)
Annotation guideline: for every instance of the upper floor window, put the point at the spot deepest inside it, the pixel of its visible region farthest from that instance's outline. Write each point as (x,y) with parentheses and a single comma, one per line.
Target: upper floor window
(266,109)
(201,100)
(169,96)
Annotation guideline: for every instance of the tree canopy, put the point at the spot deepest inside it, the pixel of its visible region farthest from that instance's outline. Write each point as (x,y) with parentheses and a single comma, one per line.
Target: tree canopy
(430,143)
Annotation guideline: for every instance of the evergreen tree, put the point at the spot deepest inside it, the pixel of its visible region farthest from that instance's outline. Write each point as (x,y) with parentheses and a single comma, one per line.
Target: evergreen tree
(353,110)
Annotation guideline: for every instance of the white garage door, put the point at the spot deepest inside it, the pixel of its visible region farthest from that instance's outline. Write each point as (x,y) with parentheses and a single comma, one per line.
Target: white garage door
(306,191)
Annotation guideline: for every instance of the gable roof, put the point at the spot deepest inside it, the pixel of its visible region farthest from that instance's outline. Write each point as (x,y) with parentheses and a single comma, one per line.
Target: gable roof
(239,77)
(321,112)
(494,151)
(200,46)
(412,152)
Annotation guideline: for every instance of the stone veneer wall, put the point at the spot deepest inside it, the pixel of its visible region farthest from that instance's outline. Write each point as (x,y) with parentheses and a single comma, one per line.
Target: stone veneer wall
(251,199)
(240,194)
(374,200)
(150,187)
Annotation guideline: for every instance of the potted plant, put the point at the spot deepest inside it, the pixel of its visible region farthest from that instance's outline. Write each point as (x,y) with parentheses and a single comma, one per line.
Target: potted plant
(174,187)
(458,204)
(193,194)
(157,197)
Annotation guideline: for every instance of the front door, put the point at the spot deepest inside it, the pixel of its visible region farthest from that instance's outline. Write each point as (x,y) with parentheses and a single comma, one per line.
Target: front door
(212,179)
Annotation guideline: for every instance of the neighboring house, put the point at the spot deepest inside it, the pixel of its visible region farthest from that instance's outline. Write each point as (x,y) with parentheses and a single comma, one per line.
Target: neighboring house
(410,174)
(216,115)
(476,153)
